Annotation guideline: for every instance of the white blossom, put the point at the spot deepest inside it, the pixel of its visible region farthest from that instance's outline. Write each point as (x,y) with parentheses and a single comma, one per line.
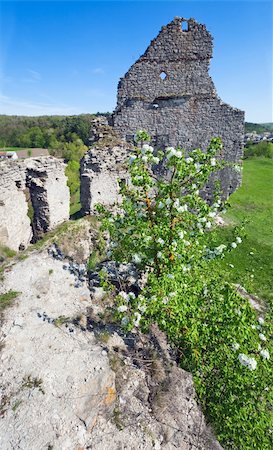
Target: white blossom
(171,276)
(265,354)
(156,160)
(165,300)
(132,158)
(235,346)
(136,258)
(176,203)
(147,149)
(261,320)
(168,201)
(159,254)
(144,158)
(238,240)
(189,160)
(170,152)
(247,361)
(124,321)
(262,337)
(212,214)
(122,308)
(233,245)
(160,241)
(181,234)
(137,319)
(178,154)
(123,295)
(160,205)
(197,166)
(213,162)
(142,308)
(238,168)
(131,295)
(208,224)
(182,208)
(219,250)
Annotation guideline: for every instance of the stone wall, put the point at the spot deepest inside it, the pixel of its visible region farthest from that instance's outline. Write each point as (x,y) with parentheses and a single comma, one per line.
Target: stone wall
(169,93)
(44,181)
(102,167)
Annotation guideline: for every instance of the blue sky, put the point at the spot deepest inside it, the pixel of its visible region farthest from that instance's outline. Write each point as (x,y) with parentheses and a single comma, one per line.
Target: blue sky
(66,57)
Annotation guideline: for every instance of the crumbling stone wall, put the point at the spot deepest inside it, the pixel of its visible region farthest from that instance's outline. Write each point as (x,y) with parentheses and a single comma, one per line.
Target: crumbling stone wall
(15,227)
(102,166)
(169,93)
(45,180)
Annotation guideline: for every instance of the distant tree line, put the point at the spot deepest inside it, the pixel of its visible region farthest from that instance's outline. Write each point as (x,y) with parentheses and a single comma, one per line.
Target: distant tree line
(66,137)
(258,127)
(44,131)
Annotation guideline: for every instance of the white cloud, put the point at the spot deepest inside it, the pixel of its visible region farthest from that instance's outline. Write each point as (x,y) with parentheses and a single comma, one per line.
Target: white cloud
(98,71)
(21,107)
(33,76)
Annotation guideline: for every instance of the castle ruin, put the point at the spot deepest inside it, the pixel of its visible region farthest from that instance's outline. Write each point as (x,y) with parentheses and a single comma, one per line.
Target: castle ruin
(169,93)
(37,185)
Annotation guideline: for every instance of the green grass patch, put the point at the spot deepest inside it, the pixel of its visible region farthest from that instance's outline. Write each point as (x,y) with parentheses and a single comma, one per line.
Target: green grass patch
(252,203)
(6,299)
(6,252)
(12,149)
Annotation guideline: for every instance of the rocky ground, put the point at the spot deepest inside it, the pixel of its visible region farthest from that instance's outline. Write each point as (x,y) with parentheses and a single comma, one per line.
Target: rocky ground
(70,382)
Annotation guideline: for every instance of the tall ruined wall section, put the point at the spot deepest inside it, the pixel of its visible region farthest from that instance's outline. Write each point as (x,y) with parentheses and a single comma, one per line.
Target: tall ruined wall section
(183,108)
(15,227)
(101,168)
(40,182)
(49,193)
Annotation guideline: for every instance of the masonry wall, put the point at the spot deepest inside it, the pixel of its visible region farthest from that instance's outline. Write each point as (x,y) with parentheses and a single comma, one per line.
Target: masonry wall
(183,109)
(45,181)
(101,168)
(15,227)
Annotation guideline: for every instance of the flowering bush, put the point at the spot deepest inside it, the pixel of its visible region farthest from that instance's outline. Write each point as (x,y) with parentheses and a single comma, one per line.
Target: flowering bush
(165,227)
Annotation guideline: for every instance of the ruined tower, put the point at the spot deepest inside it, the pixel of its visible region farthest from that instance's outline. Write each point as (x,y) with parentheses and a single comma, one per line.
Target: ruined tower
(169,93)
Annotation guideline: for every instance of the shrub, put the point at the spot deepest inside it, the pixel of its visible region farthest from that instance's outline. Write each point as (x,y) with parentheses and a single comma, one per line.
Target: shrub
(263,148)
(165,227)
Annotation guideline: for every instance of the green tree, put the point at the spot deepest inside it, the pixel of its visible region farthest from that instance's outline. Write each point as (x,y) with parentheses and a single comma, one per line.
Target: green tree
(165,228)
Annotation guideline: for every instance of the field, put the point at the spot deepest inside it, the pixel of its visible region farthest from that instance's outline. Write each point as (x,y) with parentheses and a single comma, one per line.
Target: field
(253,259)
(26,152)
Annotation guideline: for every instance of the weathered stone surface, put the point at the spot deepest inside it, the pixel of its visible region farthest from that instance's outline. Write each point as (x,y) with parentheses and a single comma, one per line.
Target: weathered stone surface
(183,109)
(100,170)
(61,389)
(42,179)
(74,383)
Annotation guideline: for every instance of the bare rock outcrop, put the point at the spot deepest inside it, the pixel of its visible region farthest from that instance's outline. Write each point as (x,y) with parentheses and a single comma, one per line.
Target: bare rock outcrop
(70,382)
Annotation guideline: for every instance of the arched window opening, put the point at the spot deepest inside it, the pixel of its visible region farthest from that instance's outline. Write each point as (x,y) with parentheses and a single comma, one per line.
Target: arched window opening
(184,25)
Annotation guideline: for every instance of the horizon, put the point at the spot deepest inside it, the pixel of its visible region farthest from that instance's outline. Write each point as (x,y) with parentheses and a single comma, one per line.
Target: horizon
(66,58)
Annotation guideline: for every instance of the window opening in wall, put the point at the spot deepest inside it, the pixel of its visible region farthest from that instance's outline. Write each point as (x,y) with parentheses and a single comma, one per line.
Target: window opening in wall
(184,26)
(163,75)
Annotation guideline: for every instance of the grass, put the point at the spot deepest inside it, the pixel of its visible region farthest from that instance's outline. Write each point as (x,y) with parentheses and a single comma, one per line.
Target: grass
(6,299)
(6,252)
(252,260)
(12,149)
